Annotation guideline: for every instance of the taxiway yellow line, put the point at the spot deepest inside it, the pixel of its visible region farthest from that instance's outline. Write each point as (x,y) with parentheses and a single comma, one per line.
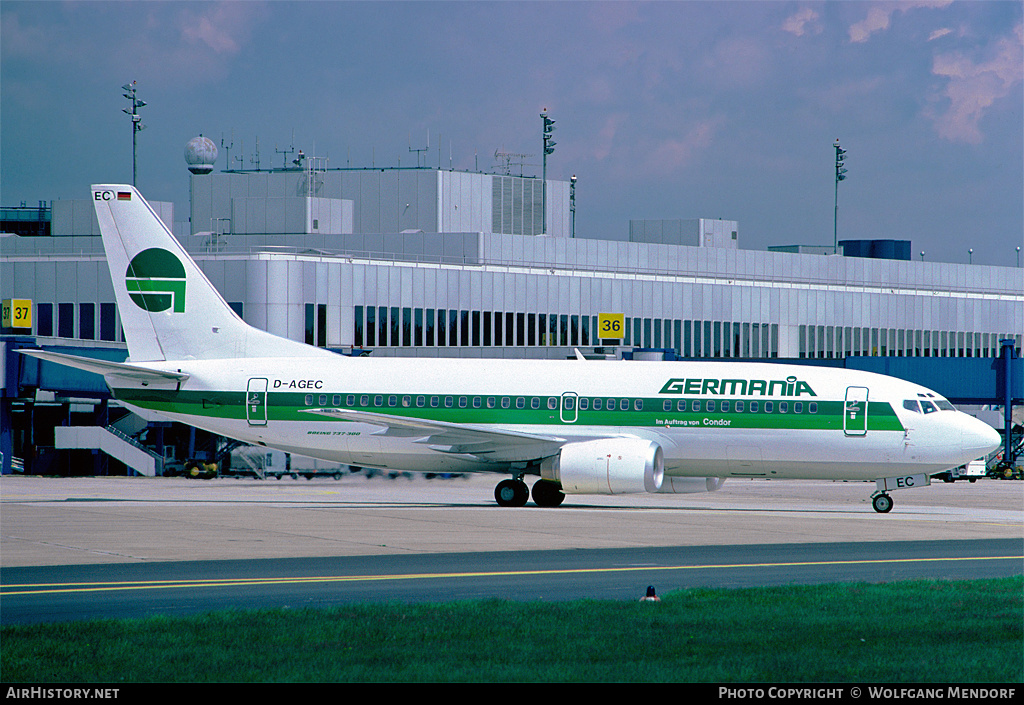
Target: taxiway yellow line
(55,588)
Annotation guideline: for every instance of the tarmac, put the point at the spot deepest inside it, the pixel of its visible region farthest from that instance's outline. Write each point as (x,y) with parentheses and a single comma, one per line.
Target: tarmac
(49,521)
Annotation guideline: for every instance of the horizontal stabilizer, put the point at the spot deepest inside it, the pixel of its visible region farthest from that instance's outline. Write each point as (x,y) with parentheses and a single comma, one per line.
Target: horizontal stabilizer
(106,367)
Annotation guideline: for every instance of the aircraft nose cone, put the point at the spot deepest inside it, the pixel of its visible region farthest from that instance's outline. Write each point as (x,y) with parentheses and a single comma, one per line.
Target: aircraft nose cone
(979,438)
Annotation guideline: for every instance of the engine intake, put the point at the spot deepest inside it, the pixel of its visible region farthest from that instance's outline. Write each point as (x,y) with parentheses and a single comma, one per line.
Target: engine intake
(608,466)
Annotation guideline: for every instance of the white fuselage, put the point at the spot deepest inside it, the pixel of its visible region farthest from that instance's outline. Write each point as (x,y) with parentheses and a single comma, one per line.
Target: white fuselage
(712,419)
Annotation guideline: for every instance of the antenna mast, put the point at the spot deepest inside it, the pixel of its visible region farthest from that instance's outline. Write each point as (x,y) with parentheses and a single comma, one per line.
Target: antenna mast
(420,152)
(508,159)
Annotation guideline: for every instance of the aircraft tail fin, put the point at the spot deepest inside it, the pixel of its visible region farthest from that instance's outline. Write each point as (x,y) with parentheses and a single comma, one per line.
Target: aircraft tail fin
(169,309)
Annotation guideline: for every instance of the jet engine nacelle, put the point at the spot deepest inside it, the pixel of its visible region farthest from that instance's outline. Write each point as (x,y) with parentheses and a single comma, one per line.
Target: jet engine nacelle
(690,485)
(609,466)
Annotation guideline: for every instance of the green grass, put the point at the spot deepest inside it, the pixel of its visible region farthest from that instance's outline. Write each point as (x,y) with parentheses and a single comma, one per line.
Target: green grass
(924,631)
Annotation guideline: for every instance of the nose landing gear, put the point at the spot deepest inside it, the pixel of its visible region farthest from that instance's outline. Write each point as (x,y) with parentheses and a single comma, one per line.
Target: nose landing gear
(881,502)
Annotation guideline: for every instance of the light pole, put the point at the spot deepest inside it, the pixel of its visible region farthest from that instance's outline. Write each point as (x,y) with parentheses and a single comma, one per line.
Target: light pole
(572,209)
(549,147)
(137,126)
(970,255)
(1018,256)
(840,176)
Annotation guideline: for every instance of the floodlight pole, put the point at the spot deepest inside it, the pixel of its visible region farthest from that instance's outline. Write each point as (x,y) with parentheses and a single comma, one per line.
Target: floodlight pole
(840,175)
(572,208)
(137,126)
(549,147)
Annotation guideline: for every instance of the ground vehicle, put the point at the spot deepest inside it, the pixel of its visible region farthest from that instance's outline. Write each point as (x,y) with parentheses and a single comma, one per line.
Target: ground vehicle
(970,472)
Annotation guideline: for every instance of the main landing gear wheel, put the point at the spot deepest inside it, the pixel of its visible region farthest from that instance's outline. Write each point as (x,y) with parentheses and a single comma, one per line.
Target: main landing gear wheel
(511,493)
(547,493)
(882,503)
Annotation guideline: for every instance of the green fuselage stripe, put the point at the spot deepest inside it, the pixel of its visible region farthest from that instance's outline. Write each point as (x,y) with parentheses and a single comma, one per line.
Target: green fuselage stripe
(288,406)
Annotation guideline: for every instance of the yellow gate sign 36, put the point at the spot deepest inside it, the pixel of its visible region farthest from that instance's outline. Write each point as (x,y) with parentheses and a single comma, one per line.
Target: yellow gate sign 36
(610,326)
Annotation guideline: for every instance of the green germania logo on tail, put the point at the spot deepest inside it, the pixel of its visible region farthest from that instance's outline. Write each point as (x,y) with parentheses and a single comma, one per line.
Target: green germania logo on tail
(156,281)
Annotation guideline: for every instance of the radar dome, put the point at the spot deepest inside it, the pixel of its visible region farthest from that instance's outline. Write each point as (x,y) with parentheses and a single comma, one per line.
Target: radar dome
(200,153)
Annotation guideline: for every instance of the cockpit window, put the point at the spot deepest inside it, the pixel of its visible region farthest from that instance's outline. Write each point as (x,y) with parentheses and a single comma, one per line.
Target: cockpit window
(911,404)
(944,405)
(928,407)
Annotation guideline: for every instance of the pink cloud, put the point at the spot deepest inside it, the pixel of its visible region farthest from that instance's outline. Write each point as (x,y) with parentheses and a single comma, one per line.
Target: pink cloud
(880,14)
(805,21)
(675,153)
(974,86)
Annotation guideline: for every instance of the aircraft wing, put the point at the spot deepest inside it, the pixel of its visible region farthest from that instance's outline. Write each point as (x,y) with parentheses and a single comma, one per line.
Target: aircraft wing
(106,367)
(485,443)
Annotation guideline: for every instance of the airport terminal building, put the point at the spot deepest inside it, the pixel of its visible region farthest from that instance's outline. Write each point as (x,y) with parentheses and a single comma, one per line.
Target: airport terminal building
(426,262)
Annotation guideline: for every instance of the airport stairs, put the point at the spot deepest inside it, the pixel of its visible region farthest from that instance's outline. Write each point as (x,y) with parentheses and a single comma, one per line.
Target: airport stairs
(115,443)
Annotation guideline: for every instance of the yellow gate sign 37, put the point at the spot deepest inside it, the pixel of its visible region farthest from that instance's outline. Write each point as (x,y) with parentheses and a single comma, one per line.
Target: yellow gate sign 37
(17,313)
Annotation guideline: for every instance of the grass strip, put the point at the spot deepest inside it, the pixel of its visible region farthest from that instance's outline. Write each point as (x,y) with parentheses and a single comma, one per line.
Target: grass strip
(912,631)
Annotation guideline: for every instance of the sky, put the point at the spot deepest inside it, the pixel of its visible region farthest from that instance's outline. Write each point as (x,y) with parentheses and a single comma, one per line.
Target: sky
(662,109)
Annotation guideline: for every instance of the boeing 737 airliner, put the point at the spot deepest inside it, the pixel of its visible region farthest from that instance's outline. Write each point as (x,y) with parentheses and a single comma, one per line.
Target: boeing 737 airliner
(581,427)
